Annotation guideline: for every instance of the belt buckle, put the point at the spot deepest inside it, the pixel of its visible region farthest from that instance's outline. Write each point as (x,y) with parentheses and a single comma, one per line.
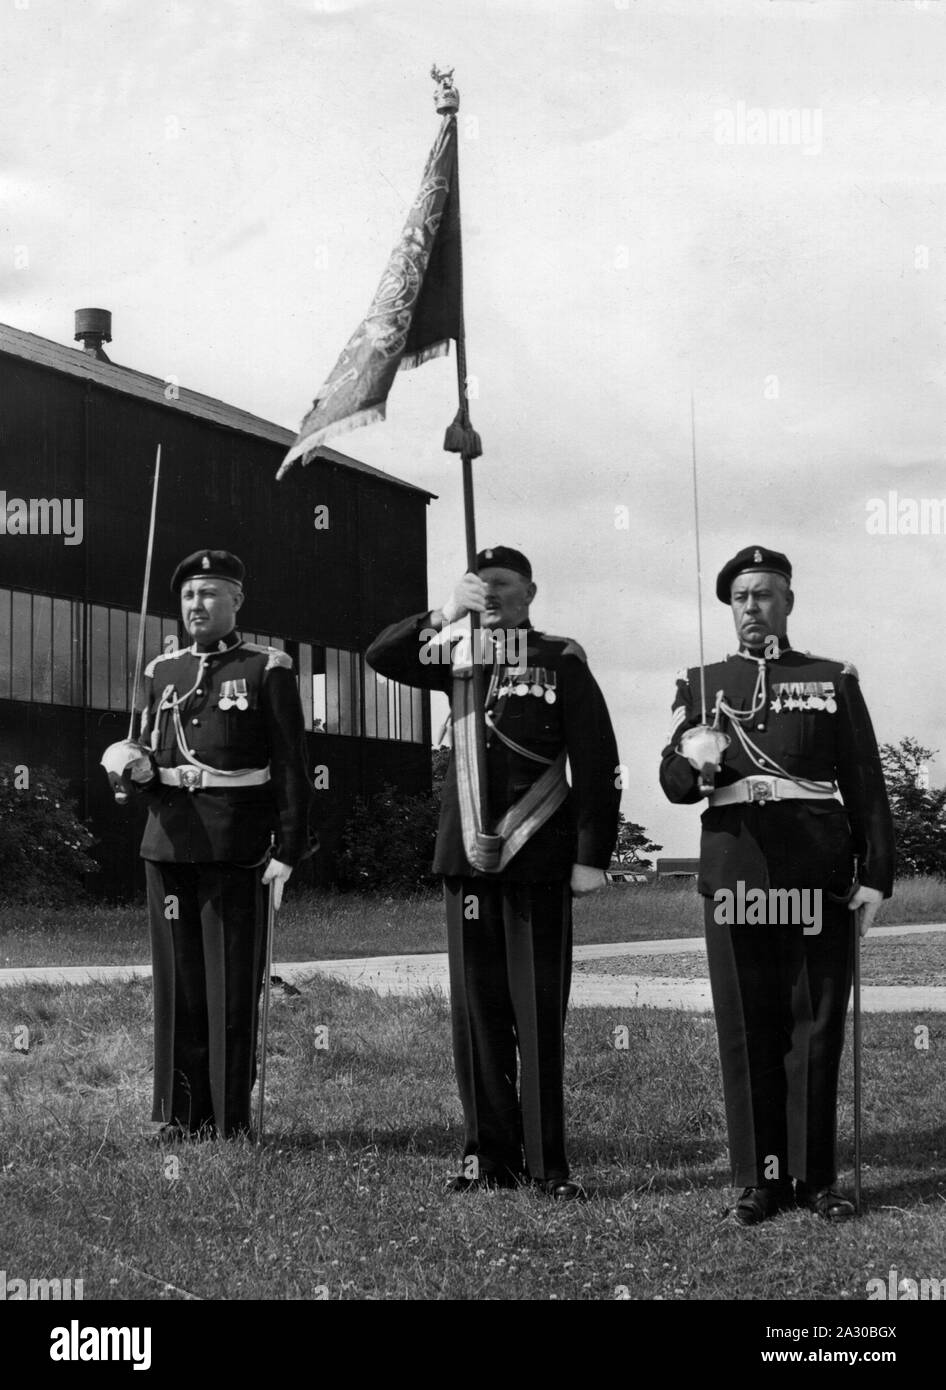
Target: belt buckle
(190,778)
(761,789)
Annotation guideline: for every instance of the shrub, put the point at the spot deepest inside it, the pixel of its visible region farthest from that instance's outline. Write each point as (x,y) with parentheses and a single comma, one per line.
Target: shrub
(388,843)
(43,843)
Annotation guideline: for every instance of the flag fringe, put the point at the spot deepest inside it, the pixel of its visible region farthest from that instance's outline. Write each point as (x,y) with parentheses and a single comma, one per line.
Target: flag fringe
(307,448)
(417,359)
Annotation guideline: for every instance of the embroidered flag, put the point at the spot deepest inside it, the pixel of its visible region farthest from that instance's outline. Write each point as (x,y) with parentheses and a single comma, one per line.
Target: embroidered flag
(414,313)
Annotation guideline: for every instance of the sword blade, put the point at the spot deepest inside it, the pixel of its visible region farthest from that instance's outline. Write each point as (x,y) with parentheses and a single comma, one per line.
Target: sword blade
(140,650)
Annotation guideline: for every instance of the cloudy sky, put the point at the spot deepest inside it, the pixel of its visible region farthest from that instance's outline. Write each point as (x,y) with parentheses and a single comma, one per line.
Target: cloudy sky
(229,178)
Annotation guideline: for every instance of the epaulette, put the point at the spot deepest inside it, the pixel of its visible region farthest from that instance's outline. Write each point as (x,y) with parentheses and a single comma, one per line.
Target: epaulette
(847,667)
(162,656)
(570,647)
(276,657)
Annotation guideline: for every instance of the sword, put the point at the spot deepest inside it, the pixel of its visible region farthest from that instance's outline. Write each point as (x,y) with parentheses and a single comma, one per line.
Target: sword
(857,1061)
(119,758)
(707,743)
(264,1025)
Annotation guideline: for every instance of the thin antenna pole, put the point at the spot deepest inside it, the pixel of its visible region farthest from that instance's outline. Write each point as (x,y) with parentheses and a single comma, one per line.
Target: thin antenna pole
(140,652)
(704,714)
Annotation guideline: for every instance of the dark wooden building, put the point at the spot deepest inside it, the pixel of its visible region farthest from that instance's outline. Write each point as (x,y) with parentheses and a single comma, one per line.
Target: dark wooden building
(332,553)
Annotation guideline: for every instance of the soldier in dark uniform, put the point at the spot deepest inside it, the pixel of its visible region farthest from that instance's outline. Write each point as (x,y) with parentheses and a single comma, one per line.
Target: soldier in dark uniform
(224,725)
(797,733)
(509,916)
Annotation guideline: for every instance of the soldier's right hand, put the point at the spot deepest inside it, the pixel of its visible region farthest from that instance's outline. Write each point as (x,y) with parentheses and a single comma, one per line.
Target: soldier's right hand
(703,747)
(468,596)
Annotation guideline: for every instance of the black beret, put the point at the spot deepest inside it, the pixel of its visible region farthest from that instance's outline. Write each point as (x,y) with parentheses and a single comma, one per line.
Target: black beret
(505,558)
(754,557)
(208,564)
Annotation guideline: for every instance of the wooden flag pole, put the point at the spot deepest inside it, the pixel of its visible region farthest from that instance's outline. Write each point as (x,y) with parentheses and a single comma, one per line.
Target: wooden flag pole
(461,438)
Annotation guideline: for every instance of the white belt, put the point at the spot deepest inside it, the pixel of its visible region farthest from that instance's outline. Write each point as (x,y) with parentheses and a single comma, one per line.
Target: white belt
(764,789)
(195,779)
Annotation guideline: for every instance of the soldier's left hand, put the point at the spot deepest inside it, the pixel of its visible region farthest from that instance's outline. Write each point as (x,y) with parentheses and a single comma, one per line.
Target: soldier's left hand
(587,880)
(277,874)
(866,903)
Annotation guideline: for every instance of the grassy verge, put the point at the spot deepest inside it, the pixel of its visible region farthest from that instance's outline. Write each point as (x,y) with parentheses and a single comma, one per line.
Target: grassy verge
(330,926)
(345,1198)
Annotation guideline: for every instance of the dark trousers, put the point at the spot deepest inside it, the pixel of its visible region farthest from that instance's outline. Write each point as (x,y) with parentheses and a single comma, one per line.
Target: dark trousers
(510,952)
(781,999)
(208,957)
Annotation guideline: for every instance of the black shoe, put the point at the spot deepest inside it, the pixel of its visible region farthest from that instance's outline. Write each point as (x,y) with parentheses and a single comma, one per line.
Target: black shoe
(824,1202)
(173,1134)
(183,1134)
(560,1189)
(487,1180)
(759,1203)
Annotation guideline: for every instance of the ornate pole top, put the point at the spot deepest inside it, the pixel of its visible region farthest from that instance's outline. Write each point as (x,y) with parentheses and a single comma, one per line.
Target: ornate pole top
(446,97)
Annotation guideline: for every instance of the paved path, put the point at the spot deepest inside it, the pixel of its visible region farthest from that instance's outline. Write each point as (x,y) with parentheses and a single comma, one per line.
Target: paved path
(419,973)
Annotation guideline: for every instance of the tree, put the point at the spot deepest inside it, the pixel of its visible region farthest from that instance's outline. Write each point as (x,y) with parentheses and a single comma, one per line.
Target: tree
(43,844)
(632,839)
(919,812)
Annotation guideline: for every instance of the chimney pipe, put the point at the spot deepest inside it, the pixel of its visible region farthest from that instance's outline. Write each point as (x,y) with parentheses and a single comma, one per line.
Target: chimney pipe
(94,327)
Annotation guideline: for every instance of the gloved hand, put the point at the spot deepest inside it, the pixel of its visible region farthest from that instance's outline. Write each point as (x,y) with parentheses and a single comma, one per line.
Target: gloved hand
(587,880)
(127,760)
(866,903)
(469,595)
(703,748)
(278,875)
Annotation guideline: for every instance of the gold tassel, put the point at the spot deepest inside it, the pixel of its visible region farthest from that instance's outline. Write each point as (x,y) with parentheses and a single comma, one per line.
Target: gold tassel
(462,438)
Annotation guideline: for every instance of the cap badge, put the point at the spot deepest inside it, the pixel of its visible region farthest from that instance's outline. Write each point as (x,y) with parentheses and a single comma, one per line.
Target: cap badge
(757,557)
(205,563)
(488,554)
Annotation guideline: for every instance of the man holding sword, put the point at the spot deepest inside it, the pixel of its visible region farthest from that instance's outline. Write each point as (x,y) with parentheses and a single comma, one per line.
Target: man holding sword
(223,767)
(776,737)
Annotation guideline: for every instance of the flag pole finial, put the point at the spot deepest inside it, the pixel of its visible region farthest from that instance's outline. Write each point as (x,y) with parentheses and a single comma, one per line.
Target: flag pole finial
(446,96)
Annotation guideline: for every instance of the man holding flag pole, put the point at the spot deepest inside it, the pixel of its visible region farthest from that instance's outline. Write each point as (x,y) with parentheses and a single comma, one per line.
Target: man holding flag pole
(515,841)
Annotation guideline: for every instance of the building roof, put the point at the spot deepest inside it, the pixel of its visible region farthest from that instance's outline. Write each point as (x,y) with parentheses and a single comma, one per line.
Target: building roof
(73,361)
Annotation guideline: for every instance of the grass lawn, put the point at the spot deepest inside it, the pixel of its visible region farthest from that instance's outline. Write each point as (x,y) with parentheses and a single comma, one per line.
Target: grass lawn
(917,960)
(344,1201)
(330,926)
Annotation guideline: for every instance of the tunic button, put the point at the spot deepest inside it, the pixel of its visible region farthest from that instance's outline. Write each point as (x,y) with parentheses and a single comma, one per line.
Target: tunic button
(198,692)
(195,721)
(758,726)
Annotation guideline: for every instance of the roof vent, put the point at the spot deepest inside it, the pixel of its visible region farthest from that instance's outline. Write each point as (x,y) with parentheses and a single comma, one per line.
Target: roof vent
(94,327)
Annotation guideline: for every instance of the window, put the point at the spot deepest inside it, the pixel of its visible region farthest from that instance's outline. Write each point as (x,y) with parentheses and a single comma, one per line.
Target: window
(6,654)
(67,652)
(21,649)
(42,651)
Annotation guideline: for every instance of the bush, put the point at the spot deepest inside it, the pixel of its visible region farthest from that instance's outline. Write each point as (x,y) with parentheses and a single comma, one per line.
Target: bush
(388,843)
(43,843)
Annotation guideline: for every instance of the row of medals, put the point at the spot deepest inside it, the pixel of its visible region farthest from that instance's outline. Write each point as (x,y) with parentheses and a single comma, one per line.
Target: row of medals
(233,693)
(542,687)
